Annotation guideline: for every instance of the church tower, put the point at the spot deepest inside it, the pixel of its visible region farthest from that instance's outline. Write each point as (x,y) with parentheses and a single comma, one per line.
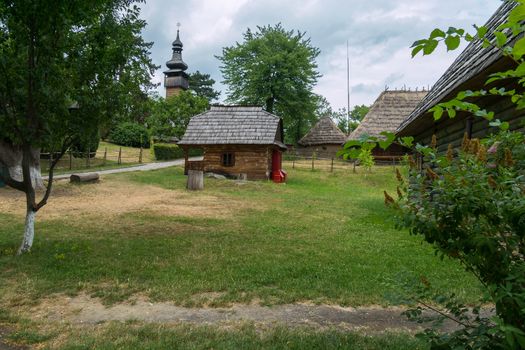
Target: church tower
(176,78)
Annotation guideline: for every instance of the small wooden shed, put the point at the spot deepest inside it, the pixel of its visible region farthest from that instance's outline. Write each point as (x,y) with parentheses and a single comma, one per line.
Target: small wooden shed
(239,141)
(469,71)
(386,114)
(324,140)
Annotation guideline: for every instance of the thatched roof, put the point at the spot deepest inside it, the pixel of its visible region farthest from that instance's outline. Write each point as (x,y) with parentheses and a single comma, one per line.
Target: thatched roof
(234,125)
(325,132)
(386,114)
(473,61)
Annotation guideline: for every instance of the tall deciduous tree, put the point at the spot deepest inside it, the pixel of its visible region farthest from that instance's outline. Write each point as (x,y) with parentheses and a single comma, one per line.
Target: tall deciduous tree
(275,68)
(202,85)
(170,117)
(66,66)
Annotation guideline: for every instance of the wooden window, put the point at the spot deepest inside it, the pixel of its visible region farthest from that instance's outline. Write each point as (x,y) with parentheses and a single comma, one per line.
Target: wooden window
(228,159)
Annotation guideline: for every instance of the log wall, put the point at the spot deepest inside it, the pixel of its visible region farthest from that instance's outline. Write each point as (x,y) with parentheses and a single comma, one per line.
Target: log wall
(451,131)
(253,160)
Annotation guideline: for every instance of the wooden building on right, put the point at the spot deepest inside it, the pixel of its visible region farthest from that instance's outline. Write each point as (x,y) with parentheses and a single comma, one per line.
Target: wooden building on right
(469,71)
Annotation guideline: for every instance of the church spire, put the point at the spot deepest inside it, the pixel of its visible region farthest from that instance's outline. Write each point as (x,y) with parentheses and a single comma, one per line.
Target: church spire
(175,78)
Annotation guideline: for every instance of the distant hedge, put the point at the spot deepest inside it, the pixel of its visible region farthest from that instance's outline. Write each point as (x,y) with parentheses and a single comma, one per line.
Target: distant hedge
(130,134)
(165,151)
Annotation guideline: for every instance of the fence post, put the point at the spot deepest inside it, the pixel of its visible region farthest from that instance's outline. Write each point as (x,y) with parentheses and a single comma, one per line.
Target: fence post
(313,161)
(332,167)
(105,155)
(119,156)
(70,159)
(354,166)
(293,161)
(140,155)
(88,158)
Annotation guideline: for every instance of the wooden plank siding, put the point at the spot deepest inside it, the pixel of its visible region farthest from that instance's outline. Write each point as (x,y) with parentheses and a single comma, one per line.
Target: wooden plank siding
(451,131)
(253,160)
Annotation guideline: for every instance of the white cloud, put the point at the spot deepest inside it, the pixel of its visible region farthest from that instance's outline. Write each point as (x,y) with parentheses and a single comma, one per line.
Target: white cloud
(380,33)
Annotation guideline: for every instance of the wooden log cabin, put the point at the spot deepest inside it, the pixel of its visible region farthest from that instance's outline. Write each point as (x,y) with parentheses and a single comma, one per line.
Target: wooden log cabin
(324,140)
(469,71)
(238,141)
(386,114)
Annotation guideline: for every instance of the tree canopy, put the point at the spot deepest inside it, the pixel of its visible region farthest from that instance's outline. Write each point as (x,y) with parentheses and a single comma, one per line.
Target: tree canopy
(67,66)
(202,85)
(170,117)
(277,69)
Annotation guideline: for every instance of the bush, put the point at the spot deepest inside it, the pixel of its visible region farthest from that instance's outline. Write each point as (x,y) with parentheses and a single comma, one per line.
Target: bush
(470,205)
(164,151)
(130,134)
(85,144)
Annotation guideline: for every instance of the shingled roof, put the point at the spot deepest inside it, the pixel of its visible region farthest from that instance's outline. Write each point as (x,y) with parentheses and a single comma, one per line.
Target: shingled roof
(325,132)
(386,114)
(234,125)
(471,62)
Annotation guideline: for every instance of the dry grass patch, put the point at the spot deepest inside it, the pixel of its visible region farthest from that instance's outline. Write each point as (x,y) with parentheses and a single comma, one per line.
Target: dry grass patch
(114,196)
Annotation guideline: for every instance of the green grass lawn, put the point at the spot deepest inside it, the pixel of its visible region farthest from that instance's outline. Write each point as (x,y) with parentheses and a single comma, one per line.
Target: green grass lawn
(322,237)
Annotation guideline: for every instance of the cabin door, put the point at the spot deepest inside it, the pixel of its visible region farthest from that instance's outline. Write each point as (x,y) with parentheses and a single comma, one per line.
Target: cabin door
(278,175)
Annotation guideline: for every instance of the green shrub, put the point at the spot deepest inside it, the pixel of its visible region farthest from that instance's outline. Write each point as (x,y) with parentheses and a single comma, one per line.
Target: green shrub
(165,151)
(470,206)
(130,134)
(85,144)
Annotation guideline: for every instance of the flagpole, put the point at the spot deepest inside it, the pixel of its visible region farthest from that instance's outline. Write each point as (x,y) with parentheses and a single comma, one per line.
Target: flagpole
(348,87)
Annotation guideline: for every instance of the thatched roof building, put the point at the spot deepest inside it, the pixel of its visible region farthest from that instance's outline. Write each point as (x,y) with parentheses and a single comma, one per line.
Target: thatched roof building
(468,72)
(386,114)
(324,139)
(237,141)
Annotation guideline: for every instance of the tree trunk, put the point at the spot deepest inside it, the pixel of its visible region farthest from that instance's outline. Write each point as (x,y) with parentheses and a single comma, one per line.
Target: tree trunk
(11,158)
(195,180)
(29,232)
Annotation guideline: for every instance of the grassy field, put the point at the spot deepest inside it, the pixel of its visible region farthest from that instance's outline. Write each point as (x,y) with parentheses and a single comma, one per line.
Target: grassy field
(323,237)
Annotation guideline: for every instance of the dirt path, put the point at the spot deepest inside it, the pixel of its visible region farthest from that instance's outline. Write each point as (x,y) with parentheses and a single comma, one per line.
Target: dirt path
(85,310)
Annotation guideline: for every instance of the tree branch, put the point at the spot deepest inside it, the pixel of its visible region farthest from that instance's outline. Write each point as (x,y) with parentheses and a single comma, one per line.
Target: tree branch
(49,186)
(443,314)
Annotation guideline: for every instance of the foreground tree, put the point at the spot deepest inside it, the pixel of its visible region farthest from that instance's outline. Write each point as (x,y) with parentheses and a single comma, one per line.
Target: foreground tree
(170,117)
(66,67)
(202,85)
(277,69)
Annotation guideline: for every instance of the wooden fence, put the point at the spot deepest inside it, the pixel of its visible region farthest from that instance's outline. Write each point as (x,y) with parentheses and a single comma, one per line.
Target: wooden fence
(334,164)
(102,157)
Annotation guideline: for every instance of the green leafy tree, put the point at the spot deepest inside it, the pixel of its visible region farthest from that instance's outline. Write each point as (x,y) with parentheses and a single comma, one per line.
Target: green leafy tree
(202,85)
(67,67)
(357,114)
(170,117)
(277,69)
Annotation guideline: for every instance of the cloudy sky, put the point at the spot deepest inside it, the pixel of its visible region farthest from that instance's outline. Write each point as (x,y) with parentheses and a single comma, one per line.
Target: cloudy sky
(379,33)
